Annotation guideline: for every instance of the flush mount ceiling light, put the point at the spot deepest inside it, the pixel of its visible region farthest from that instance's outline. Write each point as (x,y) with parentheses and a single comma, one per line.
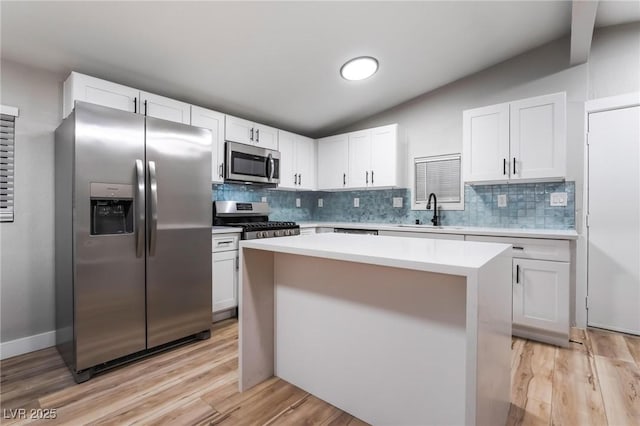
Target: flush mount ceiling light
(359,68)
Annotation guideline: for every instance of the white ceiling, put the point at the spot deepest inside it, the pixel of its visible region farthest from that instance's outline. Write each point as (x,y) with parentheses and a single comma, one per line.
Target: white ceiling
(614,12)
(278,62)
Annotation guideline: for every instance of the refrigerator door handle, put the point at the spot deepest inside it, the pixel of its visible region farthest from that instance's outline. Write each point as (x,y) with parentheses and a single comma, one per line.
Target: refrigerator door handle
(153,228)
(140,217)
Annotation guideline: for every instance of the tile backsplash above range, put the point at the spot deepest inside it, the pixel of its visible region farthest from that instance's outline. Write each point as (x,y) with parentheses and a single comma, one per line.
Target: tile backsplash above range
(528,205)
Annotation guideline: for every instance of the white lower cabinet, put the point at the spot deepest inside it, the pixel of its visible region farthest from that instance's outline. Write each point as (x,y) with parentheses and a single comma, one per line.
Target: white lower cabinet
(540,287)
(541,295)
(224,294)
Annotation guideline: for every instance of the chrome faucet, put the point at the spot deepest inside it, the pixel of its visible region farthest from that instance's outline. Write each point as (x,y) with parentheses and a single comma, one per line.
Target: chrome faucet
(436,219)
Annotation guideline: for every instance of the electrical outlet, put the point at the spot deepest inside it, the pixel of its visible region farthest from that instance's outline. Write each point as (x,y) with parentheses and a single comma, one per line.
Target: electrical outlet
(263,199)
(397,202)
(558,199)
(320,202)
(502,200)
(356,202)
(297,202)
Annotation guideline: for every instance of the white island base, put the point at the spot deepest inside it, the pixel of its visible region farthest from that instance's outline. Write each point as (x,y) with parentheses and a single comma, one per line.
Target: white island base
(395,331)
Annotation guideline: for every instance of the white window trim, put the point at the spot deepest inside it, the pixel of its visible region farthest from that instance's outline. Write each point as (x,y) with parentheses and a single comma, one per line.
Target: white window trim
(443,206)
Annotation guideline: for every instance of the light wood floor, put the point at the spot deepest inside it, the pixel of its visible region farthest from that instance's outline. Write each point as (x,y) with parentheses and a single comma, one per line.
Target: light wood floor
(594,382)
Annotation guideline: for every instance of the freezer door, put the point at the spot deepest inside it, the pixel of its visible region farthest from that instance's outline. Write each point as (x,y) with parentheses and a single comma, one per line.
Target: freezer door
(179,230)
(108,225)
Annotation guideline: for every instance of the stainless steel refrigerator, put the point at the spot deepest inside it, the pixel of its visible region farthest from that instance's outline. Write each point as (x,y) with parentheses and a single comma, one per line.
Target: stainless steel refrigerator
(132,237)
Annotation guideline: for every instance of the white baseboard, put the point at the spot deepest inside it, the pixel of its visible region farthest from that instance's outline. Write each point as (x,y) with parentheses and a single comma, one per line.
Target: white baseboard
(27,344)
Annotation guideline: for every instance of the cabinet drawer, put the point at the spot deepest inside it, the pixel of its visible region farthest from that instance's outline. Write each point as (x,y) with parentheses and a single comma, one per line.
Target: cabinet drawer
(224,242)
(531,248)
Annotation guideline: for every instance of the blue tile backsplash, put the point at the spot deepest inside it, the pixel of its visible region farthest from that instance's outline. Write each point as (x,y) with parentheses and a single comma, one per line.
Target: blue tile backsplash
(527,205)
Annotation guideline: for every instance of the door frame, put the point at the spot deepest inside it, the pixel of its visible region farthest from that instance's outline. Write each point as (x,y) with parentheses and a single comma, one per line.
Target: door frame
(625,100)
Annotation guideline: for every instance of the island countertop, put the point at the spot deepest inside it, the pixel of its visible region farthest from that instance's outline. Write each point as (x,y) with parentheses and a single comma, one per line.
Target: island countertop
(441,256)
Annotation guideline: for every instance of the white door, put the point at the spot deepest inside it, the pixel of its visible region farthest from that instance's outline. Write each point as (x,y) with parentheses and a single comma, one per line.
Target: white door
(541,294)
(265,136)
(538,137)
(80,87)
(165,108)
(614,220)
(213,121)
(333,162)
(306,162)
(485,143)
(384,156)
(239,130)
(225,280)
(359,159)
(288,171)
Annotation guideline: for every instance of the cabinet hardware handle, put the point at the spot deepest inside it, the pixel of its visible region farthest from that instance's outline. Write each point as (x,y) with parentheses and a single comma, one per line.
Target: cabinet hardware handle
(514,165)
(258,135)
(518,248)
(367,177)
(295,179)
(371,177)
(221,168)
(344,179)
(504,166)
(237,263)
(300,179)
(145,107)
(517,274)
(252,133)
(135,105)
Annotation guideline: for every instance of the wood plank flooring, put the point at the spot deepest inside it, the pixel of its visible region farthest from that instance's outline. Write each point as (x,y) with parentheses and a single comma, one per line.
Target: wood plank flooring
(596,381)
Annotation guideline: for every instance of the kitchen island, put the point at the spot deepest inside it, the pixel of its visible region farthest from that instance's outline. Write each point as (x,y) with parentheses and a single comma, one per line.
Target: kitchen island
(392,330)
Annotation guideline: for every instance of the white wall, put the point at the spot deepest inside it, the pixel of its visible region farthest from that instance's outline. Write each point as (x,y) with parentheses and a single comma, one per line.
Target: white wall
(26,245)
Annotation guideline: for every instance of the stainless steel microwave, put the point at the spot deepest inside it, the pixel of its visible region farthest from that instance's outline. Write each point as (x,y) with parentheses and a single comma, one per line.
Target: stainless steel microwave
(247,163)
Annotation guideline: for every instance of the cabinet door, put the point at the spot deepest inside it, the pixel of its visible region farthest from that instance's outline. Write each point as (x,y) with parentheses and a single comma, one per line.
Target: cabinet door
(165,108)
(213,121)
(80,87)
(225,280)
(239,130)
(485,143)
(288,171)
(306,162)
(541,294)
(265,136)
(384,156)
(333,162)
(359,159)
(538,137)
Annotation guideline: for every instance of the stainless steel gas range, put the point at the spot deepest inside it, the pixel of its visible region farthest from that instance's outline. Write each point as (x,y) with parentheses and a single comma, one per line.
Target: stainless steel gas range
(253,218)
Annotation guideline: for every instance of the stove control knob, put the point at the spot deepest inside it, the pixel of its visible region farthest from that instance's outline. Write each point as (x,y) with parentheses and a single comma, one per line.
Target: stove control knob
(278,233)
(259,234)
(287,232)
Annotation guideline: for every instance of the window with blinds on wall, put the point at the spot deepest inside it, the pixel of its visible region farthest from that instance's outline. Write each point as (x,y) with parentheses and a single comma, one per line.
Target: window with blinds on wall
(440,175)
(7,166)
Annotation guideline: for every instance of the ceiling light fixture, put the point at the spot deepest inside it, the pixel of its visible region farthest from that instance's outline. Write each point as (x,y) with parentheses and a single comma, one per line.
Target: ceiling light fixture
(359,68)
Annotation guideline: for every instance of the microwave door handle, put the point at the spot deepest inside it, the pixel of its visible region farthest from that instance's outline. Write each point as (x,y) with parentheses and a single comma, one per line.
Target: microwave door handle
(271,165)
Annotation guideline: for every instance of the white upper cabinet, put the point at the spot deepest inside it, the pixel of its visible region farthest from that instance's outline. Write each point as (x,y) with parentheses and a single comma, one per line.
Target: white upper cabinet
(385,156)
(165,108)
(297,161)
(370,157)
(486,143)
(250,133)
(519,140)
(359,159)
(538,137)
(80,87)
(333,162)
(214,121)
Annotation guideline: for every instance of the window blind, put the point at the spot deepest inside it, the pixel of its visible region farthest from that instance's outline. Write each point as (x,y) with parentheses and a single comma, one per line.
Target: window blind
(7,167)
(440,175)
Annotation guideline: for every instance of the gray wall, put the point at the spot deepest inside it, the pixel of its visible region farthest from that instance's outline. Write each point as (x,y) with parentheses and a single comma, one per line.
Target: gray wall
(26,245)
